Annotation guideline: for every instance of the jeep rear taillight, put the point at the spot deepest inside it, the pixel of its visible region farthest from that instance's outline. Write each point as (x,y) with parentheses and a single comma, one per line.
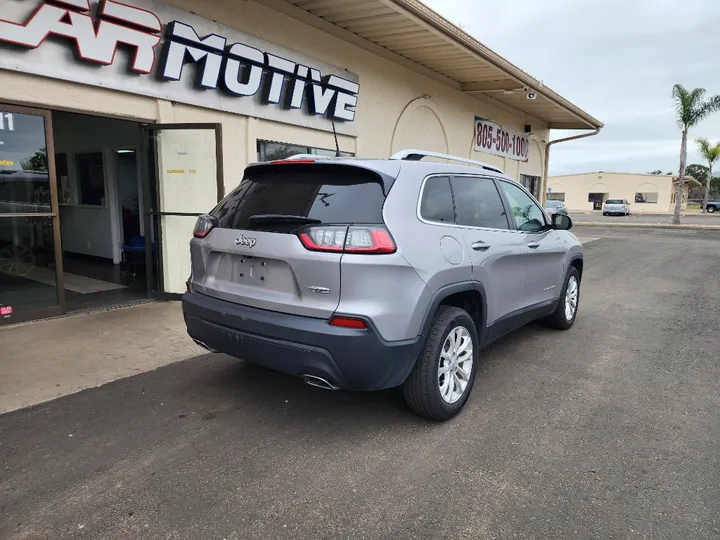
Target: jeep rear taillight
(204,225)
(356,239)
(330,238)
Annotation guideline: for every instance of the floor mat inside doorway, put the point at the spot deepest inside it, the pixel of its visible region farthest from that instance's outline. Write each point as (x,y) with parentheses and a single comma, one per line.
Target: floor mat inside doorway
(73,282)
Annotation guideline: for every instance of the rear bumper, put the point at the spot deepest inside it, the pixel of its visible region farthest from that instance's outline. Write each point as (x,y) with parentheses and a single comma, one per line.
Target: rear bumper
(350,359)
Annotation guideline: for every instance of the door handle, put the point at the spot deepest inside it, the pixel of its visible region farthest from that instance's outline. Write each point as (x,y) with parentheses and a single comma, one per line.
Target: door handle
(534,245)
(481,246)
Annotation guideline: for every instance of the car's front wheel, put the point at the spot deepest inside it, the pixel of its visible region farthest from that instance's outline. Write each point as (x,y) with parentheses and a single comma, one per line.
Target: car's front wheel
(710,209)
(441,381)
(566,311)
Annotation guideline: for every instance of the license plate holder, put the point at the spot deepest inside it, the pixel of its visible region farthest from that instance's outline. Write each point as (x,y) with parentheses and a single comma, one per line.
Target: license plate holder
(250,271)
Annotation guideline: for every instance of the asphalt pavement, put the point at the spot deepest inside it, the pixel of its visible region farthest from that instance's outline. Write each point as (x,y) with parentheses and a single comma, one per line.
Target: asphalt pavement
(609,430)
(686,219)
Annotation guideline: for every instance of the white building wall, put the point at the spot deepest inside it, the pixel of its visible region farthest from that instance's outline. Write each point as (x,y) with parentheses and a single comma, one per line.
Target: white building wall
(577,188)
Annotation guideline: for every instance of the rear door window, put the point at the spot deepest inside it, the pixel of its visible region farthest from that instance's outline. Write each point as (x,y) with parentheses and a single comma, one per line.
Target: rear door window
(318,193)
(478,203)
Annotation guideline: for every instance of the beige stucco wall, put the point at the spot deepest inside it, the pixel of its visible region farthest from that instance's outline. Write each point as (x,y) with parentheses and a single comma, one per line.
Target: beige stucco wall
(392,114)
(577,187)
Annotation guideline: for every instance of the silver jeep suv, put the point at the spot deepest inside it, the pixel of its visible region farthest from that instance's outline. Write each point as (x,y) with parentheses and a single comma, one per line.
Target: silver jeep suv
(371,274)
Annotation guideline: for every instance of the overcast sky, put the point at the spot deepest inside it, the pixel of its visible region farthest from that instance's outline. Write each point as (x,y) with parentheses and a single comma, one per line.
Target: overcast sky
(616,59)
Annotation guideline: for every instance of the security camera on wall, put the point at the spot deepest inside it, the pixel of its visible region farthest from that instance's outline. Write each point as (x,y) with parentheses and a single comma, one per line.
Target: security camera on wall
(532,95)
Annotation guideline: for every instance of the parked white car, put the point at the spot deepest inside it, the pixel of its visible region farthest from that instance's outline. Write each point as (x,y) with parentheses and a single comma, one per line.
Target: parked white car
(616,206)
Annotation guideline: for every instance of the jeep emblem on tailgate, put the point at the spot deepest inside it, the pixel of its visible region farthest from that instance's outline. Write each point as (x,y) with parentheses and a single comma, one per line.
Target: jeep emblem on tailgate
(246,241)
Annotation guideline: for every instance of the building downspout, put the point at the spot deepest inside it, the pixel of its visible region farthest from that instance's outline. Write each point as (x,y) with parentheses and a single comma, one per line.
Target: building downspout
(543,194)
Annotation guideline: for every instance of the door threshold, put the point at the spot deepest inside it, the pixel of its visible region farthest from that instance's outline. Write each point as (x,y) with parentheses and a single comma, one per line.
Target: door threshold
(110,307)
(83,311)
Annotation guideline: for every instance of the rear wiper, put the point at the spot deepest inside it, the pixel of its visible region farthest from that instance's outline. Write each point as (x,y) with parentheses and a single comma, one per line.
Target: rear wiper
(280,218)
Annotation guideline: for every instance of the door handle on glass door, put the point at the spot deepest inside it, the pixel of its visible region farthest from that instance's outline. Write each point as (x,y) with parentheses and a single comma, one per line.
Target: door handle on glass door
(481,246)
(534,245)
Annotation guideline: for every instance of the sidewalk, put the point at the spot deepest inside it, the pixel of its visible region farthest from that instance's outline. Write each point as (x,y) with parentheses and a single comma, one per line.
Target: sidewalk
(43,360)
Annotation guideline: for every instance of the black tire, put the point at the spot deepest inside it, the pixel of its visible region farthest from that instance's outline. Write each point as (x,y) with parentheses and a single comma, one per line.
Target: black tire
(710,209)
(421,389)
(558,319)
(605,214)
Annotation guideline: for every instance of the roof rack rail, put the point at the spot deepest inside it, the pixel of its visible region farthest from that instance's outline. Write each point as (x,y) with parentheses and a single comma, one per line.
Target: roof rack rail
(417,155)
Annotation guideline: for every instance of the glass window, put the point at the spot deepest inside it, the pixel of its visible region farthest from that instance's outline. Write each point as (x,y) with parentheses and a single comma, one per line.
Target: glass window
(555,197)
(24,180)
(91,179)
(271,151)
(327,193)
(437,200)
(526,212)
(643,198)
(478,203)
(27,265)
(615,201)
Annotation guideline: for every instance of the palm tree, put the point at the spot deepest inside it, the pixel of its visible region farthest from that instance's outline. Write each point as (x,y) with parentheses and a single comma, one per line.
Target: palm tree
(711,153)
(691,108)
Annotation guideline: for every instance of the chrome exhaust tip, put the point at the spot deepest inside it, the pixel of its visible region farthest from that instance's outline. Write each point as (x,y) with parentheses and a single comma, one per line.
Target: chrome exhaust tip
(201,344)
(319,382)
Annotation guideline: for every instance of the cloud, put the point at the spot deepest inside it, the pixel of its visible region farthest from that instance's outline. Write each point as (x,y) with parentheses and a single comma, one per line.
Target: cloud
(616,59)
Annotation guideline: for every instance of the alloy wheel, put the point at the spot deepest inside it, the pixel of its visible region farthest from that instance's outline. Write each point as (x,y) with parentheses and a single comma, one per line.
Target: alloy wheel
(571,298)
(456,364)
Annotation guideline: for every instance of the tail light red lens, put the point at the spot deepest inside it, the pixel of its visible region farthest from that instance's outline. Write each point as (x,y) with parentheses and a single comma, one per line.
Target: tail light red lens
(291,161)
(331,238)
(204,225)
(370,240)
(348,322)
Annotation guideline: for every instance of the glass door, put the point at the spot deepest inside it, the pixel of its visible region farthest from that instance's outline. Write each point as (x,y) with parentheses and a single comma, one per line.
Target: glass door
(30,257)
(184,180)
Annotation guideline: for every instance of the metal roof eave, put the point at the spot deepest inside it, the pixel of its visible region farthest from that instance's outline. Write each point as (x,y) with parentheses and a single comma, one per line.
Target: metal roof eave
(410,33)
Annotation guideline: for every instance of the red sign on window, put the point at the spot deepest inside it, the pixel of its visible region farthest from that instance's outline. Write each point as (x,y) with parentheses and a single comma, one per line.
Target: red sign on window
(5,311)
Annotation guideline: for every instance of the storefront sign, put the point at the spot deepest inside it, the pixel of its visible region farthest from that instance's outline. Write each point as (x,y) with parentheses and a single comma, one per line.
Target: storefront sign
(224,69)
(492,138)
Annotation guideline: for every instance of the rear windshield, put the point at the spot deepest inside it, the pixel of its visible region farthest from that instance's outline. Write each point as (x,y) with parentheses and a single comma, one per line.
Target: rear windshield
(323,194)
(614,201)
(552,204)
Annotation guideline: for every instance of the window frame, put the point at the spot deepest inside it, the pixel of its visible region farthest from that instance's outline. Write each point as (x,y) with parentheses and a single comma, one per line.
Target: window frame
(455,224)
(508,207)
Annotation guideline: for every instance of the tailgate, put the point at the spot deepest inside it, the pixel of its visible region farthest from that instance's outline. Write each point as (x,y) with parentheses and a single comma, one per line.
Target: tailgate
(277,273)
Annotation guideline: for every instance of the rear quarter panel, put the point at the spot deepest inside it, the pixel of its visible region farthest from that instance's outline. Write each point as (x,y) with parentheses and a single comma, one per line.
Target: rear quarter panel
(436,253)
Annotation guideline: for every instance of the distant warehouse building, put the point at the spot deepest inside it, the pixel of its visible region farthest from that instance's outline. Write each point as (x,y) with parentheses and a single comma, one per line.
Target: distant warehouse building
(646,193)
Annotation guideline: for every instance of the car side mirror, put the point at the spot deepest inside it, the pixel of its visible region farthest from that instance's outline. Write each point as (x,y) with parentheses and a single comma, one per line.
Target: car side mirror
(561,222)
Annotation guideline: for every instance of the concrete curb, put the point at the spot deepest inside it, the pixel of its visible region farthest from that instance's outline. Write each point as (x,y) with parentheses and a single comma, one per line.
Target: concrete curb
(646,225)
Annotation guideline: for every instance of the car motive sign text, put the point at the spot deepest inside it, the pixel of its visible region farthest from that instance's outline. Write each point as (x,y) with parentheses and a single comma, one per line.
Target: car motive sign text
(492,138)
(236,67)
